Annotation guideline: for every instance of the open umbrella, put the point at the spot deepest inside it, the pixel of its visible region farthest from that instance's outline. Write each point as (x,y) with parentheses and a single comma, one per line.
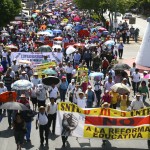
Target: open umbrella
(13,106)
(120,88)
(121,67)
(109,43)
(11,47)
(147,76)
(57,47)
(22,85)
(45,48)
(50,80)
(24,62)
(58,38)
(96,74)
(57,31)
(49,72)
(43,27)
(70,50)
(79,44)
(5,34)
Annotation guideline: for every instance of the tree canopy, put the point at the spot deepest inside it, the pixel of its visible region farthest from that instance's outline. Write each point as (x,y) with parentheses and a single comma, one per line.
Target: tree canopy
(8,10)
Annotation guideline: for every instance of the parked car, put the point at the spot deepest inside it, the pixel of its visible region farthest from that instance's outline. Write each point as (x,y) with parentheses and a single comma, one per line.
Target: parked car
(117,14)
(127,16)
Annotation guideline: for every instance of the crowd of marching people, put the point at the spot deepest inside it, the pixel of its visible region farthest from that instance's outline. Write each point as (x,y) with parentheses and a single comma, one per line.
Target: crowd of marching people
(88,75)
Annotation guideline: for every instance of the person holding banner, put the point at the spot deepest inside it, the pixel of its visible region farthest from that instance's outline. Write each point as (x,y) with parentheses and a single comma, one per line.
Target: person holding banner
(105,105)
(137,103)
(45,60)
(82,101)
(90,95)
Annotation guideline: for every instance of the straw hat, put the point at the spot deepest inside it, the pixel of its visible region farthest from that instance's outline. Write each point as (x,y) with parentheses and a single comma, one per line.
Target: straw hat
(89,87)
(41,107)
(35,74)
(23,95)
(105,104)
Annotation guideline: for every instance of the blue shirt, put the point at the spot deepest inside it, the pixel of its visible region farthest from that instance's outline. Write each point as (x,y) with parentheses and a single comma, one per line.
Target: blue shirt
(90,96)
(64,85)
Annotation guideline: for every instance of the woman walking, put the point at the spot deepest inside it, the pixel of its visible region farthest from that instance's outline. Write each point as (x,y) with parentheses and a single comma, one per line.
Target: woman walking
(19,130)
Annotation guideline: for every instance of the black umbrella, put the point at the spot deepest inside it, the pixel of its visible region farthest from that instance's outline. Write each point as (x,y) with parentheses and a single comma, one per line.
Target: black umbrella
(121,67)
(13,106)
(50,80)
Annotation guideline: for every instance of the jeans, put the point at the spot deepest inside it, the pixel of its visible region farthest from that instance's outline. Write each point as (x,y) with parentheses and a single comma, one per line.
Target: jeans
(52,117)
(135,86)
(120,52)
(28,126)
(62,94)
(98,96)
(10,116)
(43,129)
(41,103)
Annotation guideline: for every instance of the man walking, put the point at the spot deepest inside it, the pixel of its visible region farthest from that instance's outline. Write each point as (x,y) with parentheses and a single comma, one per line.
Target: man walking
(42,123)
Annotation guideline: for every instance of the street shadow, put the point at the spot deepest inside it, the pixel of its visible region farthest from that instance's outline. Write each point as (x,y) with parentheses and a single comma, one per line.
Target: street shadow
(107,145)
(28,145)
(43,148)
(6,133)
(53,136)
(146,104)
(101,148)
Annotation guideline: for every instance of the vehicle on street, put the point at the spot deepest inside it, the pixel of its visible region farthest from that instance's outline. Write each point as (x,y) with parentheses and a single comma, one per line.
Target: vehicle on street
(127,16)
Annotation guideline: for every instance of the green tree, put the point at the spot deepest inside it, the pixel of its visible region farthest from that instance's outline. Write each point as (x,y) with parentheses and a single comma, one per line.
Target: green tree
(8,10)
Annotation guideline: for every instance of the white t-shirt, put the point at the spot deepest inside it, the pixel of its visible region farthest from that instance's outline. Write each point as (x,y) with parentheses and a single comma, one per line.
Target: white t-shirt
(42,118)
(81,102)
(136,77)
(53,108)
(137,104)
(53,92)
(109,85)
(4,89)
(36,81)
(15,67)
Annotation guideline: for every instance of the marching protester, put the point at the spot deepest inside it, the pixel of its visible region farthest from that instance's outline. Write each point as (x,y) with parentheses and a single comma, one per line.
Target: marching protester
(51,111)
(42,124)
(41,95)
(19,130)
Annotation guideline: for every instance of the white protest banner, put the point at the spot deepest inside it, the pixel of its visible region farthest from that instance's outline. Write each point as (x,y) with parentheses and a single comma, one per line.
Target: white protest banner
(37,57)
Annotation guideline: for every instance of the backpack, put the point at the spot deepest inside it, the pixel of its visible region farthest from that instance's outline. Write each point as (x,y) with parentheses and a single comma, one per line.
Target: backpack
(45,115)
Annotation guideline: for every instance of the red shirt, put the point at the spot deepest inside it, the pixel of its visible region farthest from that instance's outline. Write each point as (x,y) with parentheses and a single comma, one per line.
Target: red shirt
(25,102)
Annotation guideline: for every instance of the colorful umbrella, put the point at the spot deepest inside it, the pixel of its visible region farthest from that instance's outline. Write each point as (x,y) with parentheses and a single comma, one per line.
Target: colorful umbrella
(79,45)
(147,76)
(57,31)
(96,74)
(70,50)
(22,85)
(34,15)
(24,62)
(11,47)
(45,48)
(77,19)
(121,88)
(43,27)
(49,72)
(58,38)
(109,43)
